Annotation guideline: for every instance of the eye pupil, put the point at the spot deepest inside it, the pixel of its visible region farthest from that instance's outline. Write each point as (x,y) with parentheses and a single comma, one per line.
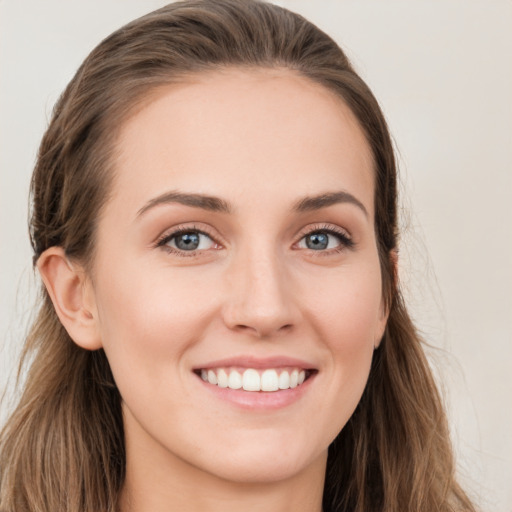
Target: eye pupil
(187,241)
(317,241)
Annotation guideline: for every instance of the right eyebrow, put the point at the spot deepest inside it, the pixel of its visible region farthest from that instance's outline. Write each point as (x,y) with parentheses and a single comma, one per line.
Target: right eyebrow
(205,202)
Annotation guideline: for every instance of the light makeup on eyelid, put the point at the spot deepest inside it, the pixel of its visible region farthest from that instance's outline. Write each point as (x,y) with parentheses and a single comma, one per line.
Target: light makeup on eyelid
(343,240)
(324,240)
(190,236)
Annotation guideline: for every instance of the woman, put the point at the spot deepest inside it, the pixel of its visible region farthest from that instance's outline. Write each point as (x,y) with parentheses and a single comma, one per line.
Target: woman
(214,221)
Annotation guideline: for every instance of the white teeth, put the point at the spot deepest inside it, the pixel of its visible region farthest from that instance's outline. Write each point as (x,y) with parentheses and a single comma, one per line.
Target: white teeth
(235,380)
(294,378)
(222,378)
(284,380)
(212,378)
(253,380)
(269,381)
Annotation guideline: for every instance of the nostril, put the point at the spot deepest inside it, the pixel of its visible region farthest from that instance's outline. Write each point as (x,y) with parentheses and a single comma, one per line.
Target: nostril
(262,331)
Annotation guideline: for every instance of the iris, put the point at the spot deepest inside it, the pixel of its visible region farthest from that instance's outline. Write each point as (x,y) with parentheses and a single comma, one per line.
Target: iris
(317,241)
(187,241)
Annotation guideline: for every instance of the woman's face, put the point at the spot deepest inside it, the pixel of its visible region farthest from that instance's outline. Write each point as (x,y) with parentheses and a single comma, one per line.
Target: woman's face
(238,246)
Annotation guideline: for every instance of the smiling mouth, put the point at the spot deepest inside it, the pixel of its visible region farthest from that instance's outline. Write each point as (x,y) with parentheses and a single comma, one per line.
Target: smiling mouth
(250,379)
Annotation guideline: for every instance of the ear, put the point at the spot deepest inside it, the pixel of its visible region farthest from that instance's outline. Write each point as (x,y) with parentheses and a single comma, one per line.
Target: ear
(72,295)
(384,309)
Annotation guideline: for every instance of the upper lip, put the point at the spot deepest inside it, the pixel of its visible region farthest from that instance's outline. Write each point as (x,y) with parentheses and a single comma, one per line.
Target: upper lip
(249,361)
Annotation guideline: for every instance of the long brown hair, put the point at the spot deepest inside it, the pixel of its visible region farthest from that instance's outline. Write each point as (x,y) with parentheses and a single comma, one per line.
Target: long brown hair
(63,447)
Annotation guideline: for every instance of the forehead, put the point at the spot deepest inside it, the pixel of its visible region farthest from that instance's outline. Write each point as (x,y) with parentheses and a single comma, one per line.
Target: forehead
(252,131)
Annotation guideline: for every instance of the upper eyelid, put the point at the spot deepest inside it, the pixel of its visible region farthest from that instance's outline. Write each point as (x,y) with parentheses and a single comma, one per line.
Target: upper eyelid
(328,227)
(344,236)
(163,241)
(180,229)
(180,232)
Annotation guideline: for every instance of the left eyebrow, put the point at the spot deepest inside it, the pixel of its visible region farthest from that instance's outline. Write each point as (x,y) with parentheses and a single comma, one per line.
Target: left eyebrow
(324,200)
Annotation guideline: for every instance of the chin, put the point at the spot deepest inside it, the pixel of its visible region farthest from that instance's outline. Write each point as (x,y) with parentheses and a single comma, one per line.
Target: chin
(265,468)
(266,458)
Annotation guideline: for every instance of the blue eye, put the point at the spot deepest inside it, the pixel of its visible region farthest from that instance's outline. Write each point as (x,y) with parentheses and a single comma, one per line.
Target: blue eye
(317,241)
(322,240)
(187,241)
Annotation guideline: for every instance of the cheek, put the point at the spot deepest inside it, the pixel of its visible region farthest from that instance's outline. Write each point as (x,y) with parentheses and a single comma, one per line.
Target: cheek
(347,307)
(348,315)
(148,319)
(148,327)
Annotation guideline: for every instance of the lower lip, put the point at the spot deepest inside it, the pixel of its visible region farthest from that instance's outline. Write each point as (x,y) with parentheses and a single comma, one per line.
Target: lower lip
(259,400)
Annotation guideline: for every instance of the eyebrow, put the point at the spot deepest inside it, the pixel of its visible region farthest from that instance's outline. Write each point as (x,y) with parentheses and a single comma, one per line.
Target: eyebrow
(209,203)
(216,204)
(324,200)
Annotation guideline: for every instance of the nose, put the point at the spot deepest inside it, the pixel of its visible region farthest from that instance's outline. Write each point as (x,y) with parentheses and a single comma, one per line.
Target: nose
(260,299)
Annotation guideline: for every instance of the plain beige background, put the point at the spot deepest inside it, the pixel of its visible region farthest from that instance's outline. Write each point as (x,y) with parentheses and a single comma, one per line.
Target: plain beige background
(442,71)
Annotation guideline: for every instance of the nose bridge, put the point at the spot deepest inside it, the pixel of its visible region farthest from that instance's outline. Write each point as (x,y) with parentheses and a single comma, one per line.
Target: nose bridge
(259,295)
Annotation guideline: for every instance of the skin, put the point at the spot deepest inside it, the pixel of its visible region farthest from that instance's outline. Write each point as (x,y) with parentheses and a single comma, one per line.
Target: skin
(261,141)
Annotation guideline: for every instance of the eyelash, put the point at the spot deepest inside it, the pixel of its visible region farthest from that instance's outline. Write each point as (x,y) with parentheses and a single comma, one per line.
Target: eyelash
(345,241)
(165,239)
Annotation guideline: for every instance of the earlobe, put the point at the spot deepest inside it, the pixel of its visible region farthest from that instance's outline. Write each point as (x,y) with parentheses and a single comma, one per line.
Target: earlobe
(71,293)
